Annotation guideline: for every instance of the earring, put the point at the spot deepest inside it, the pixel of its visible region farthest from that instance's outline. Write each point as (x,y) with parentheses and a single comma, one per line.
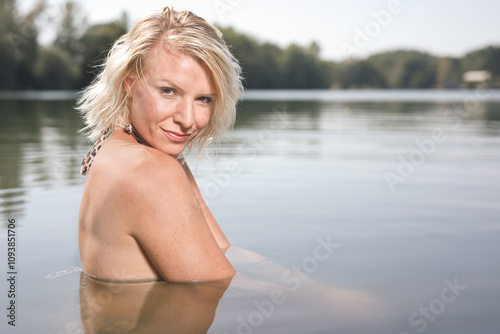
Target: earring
(128,129)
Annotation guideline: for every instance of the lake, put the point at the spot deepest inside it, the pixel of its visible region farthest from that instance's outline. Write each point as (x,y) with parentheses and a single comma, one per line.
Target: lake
(349,212)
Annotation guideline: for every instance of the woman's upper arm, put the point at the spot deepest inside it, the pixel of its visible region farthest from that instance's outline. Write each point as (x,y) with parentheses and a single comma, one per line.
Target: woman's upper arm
(212,223)
(168,222)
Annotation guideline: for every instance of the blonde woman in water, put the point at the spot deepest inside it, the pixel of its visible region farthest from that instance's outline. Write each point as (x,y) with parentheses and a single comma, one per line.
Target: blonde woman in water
(169,83)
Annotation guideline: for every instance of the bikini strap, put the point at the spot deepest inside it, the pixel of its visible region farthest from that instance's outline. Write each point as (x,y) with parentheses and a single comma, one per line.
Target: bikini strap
(89,157)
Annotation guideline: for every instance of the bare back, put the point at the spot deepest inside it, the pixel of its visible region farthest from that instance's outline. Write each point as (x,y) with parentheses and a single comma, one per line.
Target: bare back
(142,218)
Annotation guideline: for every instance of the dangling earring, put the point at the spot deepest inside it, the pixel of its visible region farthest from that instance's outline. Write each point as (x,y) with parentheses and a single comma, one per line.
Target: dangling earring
(128,129)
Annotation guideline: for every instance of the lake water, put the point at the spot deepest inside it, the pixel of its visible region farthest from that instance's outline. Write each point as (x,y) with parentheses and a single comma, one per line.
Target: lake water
(349,212)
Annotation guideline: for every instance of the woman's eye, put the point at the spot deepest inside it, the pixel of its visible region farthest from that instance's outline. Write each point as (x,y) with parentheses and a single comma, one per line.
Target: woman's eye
(167,91)
(205,99)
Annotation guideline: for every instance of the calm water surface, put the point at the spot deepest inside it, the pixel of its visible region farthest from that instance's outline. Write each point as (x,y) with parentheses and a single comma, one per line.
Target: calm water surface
(354,212)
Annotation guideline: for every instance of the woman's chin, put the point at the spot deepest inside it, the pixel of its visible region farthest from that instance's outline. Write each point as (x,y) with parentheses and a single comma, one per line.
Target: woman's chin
(173,152)
(168,147)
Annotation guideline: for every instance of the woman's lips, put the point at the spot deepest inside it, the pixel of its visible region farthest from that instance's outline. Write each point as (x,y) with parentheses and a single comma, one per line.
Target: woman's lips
(176,136)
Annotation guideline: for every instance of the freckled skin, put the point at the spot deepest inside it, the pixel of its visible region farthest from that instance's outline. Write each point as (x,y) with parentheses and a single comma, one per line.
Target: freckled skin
(142,215)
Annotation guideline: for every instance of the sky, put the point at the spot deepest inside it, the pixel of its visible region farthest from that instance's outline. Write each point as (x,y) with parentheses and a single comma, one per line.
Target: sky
(342,28)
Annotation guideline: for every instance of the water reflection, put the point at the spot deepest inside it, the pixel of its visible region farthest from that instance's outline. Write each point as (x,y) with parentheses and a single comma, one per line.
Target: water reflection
(262,295)
(40,147)
(150,307)
(321,173)
(269,297)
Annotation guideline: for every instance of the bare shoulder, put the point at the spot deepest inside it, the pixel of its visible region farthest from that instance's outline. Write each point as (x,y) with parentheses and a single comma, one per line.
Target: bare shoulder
(154,179)
(131,169)
(159,209)
(129,183)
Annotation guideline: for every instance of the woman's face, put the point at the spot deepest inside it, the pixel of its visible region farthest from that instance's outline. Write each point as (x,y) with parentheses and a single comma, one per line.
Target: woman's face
(172,102)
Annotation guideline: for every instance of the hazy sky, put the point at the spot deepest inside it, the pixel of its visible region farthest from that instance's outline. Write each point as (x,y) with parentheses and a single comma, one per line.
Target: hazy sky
(342,28)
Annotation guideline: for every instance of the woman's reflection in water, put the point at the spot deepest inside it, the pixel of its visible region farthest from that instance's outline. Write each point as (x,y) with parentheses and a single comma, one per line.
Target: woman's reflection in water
(302,305)
(148,307)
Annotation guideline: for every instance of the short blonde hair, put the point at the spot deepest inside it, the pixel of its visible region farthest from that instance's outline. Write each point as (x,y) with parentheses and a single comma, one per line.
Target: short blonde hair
(104,103)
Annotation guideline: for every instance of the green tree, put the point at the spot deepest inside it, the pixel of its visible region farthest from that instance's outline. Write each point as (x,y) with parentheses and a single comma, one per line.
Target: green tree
(8,29)
(406,68)
(448,74)
(303,68)
(360,74)
(28,46)
(19,44)
(98,40)
(267,69)
(56,70)
(248,51)
(70,29)
(266,65)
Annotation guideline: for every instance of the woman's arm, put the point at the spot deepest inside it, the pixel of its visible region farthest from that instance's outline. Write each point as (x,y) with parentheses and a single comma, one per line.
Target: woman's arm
(166,218)
(212,223)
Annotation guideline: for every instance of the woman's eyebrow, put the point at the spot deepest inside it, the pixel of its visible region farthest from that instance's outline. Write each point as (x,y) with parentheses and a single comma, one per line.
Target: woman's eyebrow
(170,84)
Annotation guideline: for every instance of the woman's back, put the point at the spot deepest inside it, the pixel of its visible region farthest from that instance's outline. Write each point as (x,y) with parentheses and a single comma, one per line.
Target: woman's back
(107,249)
(140,218)
(167,84)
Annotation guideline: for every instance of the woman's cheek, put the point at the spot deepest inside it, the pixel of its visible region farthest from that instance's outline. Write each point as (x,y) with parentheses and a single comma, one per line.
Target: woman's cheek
(206,118)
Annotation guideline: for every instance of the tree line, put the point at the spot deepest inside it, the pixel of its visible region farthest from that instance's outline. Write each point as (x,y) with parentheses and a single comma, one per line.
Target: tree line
(71,60)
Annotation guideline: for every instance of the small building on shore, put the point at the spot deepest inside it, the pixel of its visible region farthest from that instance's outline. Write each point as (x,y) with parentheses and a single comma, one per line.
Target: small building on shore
(476,76)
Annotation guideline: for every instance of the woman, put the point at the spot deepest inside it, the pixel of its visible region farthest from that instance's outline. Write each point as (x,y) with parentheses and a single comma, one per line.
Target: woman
(167,84)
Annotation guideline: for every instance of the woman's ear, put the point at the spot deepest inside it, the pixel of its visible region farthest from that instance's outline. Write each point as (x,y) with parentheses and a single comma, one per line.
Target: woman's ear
(128,84)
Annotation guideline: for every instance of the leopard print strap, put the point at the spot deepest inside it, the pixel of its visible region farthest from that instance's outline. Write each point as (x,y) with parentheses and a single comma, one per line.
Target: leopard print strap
(89,157)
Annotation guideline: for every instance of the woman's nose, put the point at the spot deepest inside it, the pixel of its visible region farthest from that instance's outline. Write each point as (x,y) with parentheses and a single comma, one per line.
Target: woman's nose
(184,114)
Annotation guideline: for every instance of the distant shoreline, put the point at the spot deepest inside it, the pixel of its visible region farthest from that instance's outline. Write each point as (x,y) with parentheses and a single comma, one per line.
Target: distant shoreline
(410,95)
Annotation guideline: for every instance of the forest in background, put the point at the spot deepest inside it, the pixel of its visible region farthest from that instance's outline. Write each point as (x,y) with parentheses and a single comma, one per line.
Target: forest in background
(70,61)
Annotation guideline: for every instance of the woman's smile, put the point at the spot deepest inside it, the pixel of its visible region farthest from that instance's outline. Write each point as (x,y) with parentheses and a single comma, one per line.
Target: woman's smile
(176,136)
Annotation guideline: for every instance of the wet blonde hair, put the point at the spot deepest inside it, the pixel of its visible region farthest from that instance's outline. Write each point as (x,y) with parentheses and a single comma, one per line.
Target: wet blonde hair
(104,103)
